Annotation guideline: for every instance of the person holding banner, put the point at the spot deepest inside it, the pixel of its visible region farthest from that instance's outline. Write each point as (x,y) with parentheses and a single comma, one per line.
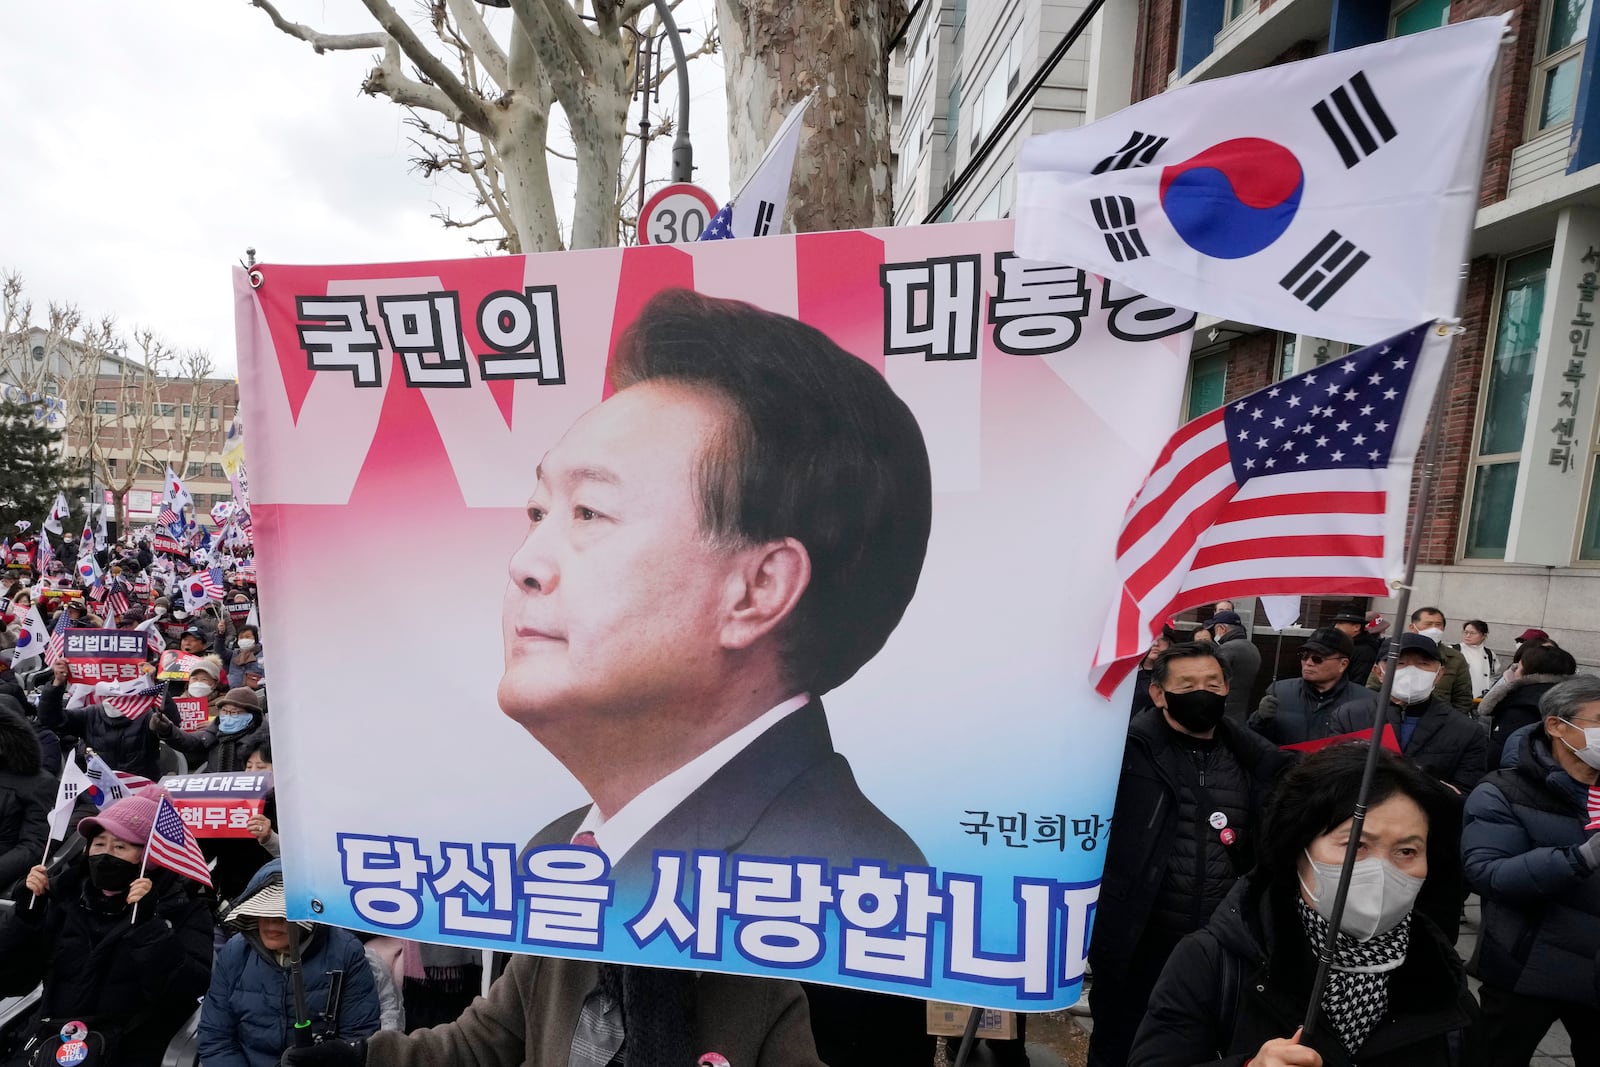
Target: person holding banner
(123,956)
(1237,991)
(27,792)
(228,739)
(126,742)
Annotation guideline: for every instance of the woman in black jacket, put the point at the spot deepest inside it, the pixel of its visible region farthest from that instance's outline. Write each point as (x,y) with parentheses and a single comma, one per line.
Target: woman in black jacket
(1238,990)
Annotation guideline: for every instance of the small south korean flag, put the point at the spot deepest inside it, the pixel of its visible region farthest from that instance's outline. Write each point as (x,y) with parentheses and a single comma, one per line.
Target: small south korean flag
(1332,197)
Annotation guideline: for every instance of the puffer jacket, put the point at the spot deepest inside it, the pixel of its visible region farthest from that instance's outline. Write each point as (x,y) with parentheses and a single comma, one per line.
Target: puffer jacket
(1147,826)
(1510,707)
(1293,710)
(1446,744)
(142,979)
(1246,978)
(26,795)
(248,1018)
(1541,901)
(222,752)
(125,744)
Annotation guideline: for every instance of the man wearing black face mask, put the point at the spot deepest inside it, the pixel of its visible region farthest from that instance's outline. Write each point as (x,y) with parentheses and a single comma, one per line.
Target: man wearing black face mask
(1191,794)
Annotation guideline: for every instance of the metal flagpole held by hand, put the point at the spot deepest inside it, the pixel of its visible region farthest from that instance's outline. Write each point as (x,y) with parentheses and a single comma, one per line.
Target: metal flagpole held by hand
(297,983)
(1430,452)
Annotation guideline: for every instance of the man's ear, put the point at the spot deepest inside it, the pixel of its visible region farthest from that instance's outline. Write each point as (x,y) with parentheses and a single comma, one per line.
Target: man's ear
(764,589)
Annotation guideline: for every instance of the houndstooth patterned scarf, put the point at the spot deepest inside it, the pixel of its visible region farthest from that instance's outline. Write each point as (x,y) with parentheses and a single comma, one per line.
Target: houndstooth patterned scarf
(1358,983)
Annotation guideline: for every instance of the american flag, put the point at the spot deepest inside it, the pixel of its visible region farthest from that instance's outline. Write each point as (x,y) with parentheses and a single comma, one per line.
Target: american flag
(117,599)
(172,845)
(46,553)
(720,228)
(138,698)
(1299,488)
(57,645)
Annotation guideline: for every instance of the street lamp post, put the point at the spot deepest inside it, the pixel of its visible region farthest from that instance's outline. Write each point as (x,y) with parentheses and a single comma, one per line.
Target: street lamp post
(682,149)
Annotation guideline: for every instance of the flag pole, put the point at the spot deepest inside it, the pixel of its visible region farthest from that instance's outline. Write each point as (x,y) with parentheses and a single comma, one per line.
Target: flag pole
(302,1015)
(144,865)
(1430,453)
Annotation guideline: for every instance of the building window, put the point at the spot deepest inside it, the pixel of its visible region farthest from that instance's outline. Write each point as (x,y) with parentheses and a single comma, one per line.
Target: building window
(952,119)
(1555,78)
(1418,15)
(194,470)
(1239,7)
(1208,376)
(215,470)
(215,412)
(135,408)
(166,411)
(105,407)
(1508,380)
(111,465)
(1284,363)
(991,103)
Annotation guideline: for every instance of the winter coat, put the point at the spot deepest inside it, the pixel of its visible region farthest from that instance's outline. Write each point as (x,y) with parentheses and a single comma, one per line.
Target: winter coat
(27,794)
(248,1017)
(1510,707)
(1246,979)
(1293,710)
(141,978)
(1541,901)
(1446,744)
(1146,828)
(1363,659)
(125,744)
(1243,660)
(231,657)
(1454,685)
(222,752)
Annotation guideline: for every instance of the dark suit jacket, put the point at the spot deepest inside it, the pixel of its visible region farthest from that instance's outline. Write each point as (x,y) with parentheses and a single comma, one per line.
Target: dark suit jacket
(788,793)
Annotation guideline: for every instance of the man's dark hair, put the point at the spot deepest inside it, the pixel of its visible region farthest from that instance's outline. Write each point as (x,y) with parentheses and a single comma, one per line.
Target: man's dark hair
(1525,647)
(262,749)
(818,448)
(1547,659)
(1320,792)
(1416,616)
(1188,650)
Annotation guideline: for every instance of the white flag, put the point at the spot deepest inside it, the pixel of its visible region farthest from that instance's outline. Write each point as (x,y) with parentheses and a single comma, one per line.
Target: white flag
(33,637)
(177,497)
(58,511)
(1333,196)
(73,783)
(759,207)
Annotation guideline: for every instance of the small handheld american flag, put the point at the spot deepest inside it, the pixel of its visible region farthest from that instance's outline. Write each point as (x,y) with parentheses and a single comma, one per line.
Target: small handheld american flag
(173,847)
(1301,488)
(57,645)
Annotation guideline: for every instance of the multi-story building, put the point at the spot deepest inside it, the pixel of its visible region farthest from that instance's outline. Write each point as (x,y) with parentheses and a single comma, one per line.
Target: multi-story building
(138,426)
(1513,533)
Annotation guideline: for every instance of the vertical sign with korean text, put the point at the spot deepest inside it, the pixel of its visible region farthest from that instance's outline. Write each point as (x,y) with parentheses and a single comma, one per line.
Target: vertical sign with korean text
(775,569)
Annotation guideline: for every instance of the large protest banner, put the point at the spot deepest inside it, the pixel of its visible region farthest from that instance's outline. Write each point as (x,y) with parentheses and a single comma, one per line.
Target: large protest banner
(610,555)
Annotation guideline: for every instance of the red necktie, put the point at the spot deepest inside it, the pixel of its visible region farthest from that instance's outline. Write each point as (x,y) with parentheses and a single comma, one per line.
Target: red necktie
(585,839)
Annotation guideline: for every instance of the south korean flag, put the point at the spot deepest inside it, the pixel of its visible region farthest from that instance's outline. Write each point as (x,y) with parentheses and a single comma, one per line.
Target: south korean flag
(1331,197)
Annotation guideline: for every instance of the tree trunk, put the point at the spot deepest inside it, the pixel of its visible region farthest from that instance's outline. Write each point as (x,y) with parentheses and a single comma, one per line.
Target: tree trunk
(526,172)
(597,132)
(776,51)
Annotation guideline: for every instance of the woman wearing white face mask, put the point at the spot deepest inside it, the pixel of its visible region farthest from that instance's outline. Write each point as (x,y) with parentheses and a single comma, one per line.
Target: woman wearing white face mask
(1236,992)
(1531,847)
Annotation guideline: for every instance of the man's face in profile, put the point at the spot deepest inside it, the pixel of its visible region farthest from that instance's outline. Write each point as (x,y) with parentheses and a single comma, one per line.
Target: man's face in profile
(616,596)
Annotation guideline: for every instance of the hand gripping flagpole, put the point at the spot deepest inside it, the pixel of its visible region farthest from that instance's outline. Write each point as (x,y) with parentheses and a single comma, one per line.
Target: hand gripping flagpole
(1430,452)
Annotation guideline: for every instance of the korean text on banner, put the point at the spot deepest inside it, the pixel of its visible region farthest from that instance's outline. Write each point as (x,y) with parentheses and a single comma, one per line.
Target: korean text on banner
(218,805)
(104,655)
(914,426)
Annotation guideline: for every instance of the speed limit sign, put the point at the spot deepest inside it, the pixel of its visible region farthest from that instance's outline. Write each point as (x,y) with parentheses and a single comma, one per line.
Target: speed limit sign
(676,215)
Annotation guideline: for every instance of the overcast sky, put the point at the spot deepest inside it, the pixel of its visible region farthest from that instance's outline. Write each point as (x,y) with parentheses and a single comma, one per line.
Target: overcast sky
(147,143)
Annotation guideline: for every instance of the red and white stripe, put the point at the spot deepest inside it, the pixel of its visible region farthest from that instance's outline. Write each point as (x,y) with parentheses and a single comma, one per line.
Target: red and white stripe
(173,846)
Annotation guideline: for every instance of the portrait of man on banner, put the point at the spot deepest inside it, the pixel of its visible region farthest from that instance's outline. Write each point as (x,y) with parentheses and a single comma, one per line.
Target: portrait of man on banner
(727,537)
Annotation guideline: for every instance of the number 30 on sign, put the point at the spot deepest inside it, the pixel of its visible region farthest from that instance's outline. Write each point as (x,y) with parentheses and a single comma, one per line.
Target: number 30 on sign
(676,214)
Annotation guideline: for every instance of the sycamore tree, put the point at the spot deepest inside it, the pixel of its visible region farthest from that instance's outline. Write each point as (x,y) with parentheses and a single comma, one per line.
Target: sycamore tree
(480,95)
(32,467)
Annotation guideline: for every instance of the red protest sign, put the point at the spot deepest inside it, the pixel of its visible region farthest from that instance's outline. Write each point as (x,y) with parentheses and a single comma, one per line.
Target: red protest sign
(103,655)
(218,805)
(169,545)
(175,664)
(193,712)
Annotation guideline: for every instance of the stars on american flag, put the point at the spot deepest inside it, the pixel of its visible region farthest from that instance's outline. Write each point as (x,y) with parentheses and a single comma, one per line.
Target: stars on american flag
(1337,417)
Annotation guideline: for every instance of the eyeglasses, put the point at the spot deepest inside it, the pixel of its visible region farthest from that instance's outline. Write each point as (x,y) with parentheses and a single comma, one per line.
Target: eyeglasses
(1314,658)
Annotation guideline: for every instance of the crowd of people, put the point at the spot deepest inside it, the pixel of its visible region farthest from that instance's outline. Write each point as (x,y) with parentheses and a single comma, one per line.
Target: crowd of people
(1212,915)
(1231,821)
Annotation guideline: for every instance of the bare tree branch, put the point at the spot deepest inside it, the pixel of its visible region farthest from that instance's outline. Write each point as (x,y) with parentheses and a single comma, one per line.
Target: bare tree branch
(564,25)
(387,79)
(322,42)
(473,113)
(481,42)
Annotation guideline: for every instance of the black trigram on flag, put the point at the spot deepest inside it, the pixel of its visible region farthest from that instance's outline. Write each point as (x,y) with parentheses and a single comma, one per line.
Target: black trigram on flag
(1114,215)
(1139,151)
(1324,270)
(1354,120)
(763,218)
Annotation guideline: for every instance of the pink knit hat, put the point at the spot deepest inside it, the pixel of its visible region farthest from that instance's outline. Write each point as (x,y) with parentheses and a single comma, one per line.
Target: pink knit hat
(129,818)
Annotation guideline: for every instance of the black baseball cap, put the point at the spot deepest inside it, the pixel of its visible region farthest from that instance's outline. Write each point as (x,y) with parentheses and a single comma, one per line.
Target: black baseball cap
(1329,642)
(1410,642)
